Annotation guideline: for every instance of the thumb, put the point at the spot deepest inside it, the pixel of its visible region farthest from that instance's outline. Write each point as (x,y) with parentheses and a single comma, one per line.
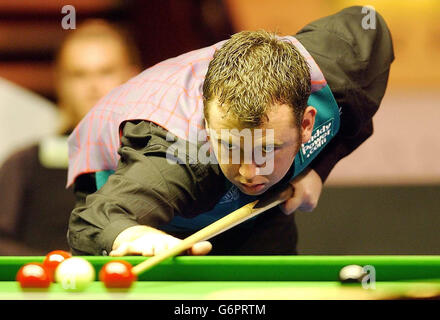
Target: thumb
(200,248)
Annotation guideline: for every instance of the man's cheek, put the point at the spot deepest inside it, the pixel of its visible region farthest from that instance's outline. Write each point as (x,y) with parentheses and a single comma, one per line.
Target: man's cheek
(230,172)
(267,169)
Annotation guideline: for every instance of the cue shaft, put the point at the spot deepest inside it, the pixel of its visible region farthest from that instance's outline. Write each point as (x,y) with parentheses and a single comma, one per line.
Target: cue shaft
(254,213)
(214,228)
(234,218)
(262,206)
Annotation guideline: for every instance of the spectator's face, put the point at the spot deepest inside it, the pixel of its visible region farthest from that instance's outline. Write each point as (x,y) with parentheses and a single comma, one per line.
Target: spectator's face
(287,140)
(89,69)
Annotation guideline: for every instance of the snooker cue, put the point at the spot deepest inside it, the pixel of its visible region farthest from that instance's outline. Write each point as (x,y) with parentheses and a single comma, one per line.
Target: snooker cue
(236,217)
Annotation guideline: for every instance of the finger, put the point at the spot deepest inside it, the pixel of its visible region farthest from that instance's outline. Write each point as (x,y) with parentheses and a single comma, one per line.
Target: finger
(159,247)
(132,248)
(289,192)
(200,248)
(160,243)
(151,244)
(308,204)
(290,205)
(122,250)
(307,207)
(147,250)
(139,247)
(164,245)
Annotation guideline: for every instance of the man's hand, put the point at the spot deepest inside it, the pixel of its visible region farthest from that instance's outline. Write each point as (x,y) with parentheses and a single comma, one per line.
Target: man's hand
(306,191)
(147,241)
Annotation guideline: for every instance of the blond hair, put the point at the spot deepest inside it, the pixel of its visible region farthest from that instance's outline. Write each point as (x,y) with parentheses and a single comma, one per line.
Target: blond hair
(253,71)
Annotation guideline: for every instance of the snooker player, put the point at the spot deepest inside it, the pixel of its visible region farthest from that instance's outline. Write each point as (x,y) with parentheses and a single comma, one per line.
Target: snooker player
(307,101)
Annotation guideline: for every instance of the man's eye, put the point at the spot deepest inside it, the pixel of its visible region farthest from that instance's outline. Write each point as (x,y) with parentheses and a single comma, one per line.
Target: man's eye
(229,146)
(269,148)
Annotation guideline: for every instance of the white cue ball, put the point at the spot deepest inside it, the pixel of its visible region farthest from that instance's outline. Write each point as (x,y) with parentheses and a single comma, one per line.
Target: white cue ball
(351,273)
(75,274)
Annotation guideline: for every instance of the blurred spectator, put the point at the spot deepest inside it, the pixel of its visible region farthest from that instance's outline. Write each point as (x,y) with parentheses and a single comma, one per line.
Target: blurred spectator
(36,116)
(35,206)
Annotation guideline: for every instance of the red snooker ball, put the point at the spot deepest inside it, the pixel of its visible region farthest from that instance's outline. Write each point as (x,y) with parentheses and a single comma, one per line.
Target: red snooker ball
(117,274)
(53,259)
(33,275)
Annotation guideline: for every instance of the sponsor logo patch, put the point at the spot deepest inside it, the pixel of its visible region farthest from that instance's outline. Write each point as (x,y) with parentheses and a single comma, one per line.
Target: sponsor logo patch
(320,137)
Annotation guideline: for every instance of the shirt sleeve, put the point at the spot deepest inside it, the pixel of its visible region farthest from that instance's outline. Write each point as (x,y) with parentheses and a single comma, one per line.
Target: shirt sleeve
(145,189)
(355,59)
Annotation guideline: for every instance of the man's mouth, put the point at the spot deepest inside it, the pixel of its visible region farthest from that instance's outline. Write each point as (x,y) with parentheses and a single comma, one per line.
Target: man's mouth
(252,187)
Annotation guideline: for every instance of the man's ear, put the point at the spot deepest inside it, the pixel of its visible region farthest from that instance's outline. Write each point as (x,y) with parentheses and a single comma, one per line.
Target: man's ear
(207,129)
(307,123)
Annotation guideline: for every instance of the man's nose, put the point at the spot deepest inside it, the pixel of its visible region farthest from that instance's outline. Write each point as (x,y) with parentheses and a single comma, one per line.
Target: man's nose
(248,171)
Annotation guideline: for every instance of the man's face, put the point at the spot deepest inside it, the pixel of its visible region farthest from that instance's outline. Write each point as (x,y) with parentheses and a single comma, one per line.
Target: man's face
(277,139)
(89,69)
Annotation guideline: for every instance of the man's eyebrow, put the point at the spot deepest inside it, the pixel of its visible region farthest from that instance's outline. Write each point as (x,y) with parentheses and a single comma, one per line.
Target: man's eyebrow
(275,143)
(229,141)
